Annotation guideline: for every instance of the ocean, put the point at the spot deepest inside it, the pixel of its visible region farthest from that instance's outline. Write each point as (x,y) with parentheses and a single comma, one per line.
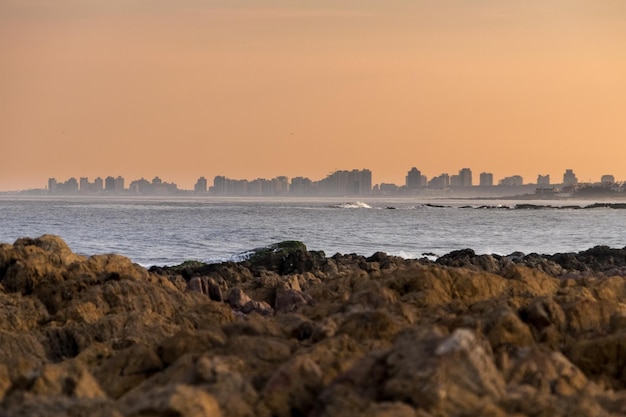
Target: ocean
(167,231)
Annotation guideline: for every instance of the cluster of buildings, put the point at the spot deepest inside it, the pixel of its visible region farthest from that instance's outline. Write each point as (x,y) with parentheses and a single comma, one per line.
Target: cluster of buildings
(111,185)
(344,183)
(339,183)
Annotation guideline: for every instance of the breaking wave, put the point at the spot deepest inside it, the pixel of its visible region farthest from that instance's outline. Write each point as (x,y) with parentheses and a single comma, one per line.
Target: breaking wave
(355,205)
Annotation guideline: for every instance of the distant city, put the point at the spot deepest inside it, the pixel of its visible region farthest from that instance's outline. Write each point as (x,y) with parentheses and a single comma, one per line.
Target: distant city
(348,183)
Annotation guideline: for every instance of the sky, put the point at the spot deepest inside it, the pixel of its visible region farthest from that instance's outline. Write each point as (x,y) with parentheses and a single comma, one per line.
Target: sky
(248,89)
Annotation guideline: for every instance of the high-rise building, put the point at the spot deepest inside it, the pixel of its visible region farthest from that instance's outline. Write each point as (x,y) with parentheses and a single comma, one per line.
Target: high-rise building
(71,185)
(486,179)
(413,179)
(140,186)
(84,184)
(280,185)
(365,182)
(98,184)
(201,185)
(301,186)
(355,182)
(569,178)
(109,184)
(465,175)
(52,185)
(607,179)
(441,182)
(119,184)
(543,179)
(512,181)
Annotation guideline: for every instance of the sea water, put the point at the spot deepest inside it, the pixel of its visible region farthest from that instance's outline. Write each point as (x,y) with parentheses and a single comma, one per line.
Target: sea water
(154,231)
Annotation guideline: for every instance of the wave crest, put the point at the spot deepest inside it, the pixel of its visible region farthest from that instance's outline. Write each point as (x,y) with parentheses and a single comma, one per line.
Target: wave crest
(355,205)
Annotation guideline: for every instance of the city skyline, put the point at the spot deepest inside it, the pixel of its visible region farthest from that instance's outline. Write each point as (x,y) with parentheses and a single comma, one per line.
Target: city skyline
(338,183)
(188,184)
(190,88)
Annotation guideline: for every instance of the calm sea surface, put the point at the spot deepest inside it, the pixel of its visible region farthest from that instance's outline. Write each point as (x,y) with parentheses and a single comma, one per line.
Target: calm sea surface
(169,231)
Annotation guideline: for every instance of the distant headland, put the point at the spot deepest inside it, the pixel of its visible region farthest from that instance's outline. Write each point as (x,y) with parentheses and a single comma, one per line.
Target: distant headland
(344,183)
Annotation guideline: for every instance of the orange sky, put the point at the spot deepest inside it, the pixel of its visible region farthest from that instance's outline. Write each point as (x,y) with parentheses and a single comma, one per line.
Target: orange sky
(251,89)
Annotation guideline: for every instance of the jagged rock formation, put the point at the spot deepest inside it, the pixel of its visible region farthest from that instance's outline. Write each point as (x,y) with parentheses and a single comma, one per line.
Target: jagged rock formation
(294,333)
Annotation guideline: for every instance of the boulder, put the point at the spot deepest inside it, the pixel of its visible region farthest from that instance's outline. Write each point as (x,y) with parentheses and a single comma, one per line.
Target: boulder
(444,374)
(291,332)
(173,400)
(288,300)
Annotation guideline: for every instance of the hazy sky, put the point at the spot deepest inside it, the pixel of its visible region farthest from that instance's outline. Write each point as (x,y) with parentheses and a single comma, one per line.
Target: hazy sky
(249,88)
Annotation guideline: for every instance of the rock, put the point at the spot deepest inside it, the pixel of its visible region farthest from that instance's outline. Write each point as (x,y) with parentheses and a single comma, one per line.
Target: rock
(184,342)
(28,405)
(287,257)
(5,380)
(128,368)
(547,372)
(369,326)
(206,286)
(259,307)
(288,300)
(445,375)
(506,329)
(177,400)
(618,322)
(70,379)
(237,298)
(524,335)
(602,358)
(293,388)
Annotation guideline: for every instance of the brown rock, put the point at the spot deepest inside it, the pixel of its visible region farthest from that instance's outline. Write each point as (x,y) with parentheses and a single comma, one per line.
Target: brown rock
(68,378)
(28,405)
(127,369)
(292,389)
(185,342)
(506,329)
(177,400)
(237,298)
(602,358)
(206,286)
(445,375)
(259,307)
(288,300)
(546,371)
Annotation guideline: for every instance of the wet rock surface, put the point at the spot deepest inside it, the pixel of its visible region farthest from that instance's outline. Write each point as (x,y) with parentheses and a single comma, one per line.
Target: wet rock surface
(295,333)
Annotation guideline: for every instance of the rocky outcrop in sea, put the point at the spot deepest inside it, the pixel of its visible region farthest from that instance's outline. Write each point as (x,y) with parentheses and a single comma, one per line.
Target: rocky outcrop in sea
(291,332)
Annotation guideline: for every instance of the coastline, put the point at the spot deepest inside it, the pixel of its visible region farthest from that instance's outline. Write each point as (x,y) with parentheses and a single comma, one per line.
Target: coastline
(293,332)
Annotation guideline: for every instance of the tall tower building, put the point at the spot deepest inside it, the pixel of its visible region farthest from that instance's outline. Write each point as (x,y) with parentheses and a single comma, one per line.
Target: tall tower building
(543,179)
(486,179)
(465,175)
(98,184)
(84,184)
(119,184)
(569,178)
(109,184)
(413,179)
(201,185)
(52,184)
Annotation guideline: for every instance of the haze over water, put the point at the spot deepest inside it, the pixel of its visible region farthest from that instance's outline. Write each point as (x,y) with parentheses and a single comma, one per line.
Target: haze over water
(161,231)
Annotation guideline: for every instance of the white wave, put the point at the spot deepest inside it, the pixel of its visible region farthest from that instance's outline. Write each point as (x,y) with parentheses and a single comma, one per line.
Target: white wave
(239,257)
(355,205)
(413,255)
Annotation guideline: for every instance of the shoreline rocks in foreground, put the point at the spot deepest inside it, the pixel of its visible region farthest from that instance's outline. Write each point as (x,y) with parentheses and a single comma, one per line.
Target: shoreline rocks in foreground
(295,333)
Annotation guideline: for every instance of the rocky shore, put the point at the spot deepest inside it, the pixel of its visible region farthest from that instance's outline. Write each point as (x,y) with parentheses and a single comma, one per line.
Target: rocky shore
(292,332)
